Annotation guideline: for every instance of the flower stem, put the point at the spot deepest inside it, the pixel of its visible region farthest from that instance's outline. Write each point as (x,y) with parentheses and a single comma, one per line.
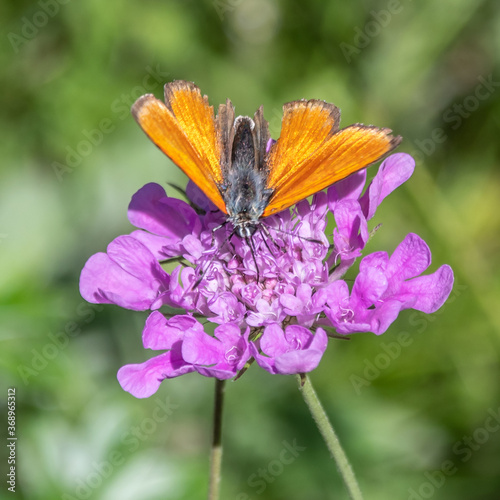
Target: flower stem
(216,451)
(331,439)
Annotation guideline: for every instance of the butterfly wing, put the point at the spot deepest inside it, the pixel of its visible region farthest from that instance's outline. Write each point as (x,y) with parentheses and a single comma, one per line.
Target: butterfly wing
(312,153)
(184,129)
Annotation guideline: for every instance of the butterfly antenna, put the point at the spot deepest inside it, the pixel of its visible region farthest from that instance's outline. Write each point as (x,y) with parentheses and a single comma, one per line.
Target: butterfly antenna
(179,260)
(192,204)
(178,189)
(310,240)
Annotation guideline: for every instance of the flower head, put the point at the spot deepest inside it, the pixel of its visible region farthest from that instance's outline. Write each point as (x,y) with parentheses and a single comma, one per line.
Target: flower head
(273,298)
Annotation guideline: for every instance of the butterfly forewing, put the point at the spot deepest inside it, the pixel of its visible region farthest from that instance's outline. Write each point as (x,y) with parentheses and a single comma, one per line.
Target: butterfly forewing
(305,126)
(322,155)
(184,129)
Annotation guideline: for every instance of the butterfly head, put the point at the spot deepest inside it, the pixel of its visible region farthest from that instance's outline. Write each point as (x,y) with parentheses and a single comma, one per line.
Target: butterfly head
(244,226)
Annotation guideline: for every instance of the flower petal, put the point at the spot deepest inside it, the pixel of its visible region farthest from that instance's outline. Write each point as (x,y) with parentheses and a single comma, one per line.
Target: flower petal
(351,233)
(411,258)
(368,287)
(349,188)
(143,380)
(382,317)
(162,333)
(273,342)
(159,246)
(394,170)
(151,209)
(303,360)
(128,276)
(199,348)
(428,293)
(134,258)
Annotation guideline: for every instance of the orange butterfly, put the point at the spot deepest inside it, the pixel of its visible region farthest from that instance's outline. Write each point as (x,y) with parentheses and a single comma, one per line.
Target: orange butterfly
(228,160)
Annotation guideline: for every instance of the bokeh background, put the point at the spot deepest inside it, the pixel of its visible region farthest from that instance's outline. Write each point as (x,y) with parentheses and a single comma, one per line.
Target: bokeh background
(420,420)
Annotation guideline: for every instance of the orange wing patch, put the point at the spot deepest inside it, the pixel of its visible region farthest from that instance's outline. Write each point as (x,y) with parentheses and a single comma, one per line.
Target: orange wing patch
(184,129)
(311,153)
(305,126)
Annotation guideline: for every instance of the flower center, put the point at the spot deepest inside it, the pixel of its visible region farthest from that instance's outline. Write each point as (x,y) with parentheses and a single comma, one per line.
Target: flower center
(232,355)
(347,315)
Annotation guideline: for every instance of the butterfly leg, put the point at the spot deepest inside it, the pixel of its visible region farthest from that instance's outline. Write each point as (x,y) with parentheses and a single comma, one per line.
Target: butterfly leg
(267,233)
(252,251)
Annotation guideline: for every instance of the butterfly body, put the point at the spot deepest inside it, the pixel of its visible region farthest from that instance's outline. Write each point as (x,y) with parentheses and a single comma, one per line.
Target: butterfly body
(244,188)
(233,162)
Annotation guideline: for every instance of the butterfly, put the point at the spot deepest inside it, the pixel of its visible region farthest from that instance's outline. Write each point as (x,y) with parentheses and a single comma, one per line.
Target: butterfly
(234,161)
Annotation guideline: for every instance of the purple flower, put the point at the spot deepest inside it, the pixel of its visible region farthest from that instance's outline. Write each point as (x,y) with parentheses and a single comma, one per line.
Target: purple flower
(220,356)
(385,286)
(128,275)
(188,348)
(296,350)
(159,334)
(353,210)
(290,275)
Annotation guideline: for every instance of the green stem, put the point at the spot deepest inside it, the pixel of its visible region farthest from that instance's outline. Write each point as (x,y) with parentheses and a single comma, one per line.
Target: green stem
(216,451)
(331,439)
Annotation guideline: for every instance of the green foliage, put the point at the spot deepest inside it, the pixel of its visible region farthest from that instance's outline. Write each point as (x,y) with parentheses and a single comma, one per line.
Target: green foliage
(72,157)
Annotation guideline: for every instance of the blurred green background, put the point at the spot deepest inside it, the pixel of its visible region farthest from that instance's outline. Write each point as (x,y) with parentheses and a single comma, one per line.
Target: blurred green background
(419,420)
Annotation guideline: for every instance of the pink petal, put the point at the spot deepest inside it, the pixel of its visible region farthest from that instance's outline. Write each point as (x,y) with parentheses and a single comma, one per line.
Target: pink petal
(368,287)
(201,349)
(273,342)
(102,281)
(381,318)
(134,258)
(151,209)
(349,188)
(429,292)
(395,170)
(305,360)
(162,333)
(161,247)
(411,258)
(143,380)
